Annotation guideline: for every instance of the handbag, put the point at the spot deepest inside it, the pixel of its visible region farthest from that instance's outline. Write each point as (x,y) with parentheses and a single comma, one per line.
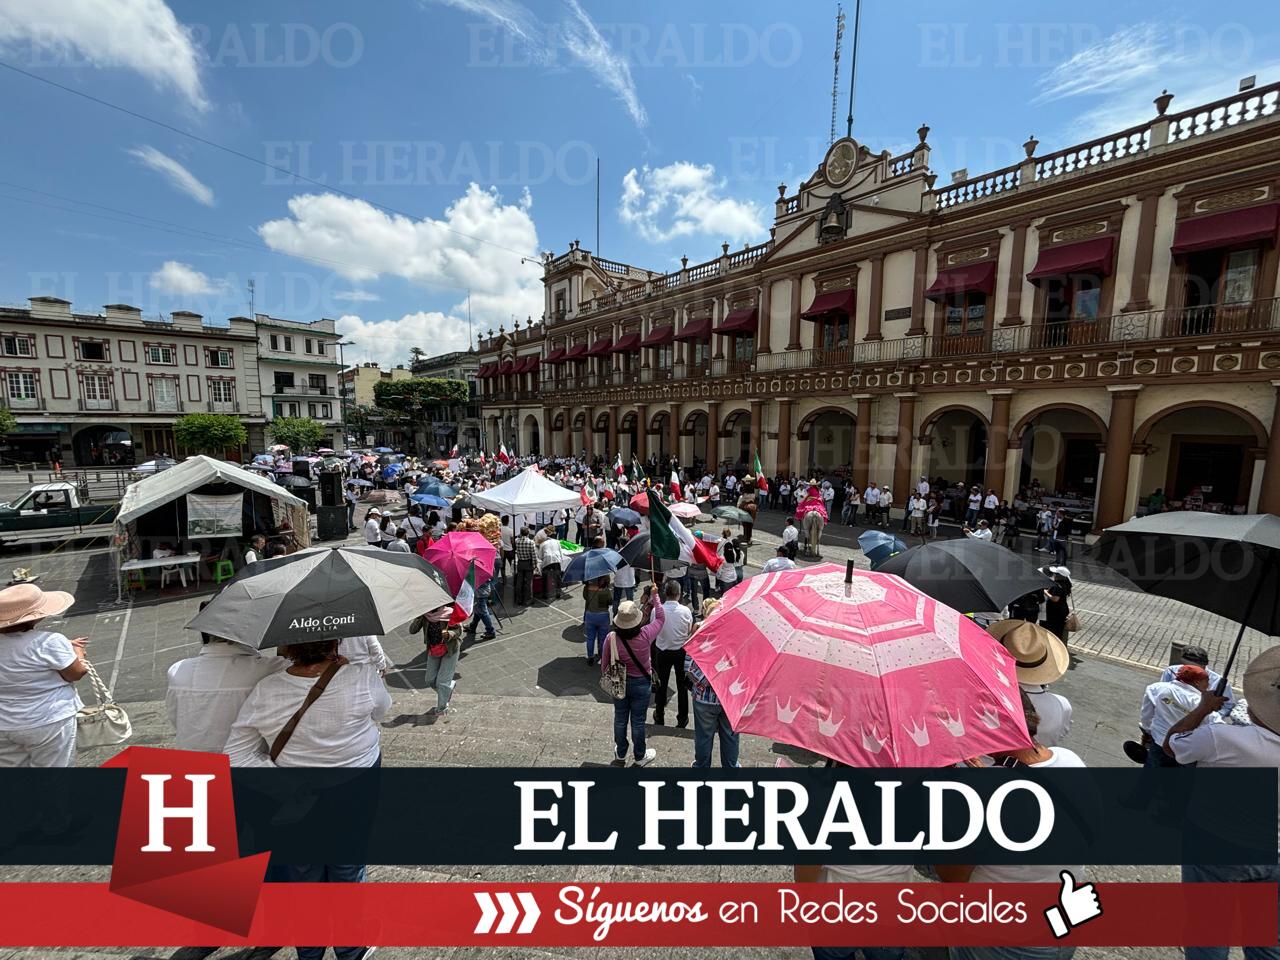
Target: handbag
(317,688)
(104,723)
(613,680)
(1073,623)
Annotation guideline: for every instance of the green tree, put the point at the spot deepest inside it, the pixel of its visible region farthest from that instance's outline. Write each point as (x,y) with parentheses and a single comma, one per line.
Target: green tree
(299,434)
(408,401)
(8,422)
(359,420)
(416,354)
(209,432)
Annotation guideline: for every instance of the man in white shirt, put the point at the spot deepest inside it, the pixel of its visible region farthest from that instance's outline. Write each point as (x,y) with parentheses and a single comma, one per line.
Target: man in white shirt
(790,537)
(982,533)
(990,505)
(372,530)
(668,654)
(781,562)
(1165,703)
(352,497)
(922,488)
(257,549)
(871,497)
(730,484)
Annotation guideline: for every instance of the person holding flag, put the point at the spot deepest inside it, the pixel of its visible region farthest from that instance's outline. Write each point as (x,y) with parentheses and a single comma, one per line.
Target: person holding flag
(638,476)
(677,494)
(762,482)
(618,469)
(669,539)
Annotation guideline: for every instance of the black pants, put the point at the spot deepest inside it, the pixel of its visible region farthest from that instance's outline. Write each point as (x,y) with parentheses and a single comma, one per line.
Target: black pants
(664,661)
(551,573)
(524,582)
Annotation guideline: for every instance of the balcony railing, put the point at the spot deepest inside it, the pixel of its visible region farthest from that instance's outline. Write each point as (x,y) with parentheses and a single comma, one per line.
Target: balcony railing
(165,406)
(730,367)
(25,403)
(224,406)
(97,404)
(302,390)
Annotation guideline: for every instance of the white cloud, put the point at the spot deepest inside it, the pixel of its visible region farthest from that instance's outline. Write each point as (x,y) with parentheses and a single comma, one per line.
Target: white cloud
(357,296)
(476,246)
(139,35)
(683,199)
(388,342)
(179,177)
(1119,76)
(577,35)
(182,279)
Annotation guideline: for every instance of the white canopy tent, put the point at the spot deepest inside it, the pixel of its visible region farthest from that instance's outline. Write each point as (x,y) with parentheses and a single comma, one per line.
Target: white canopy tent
(526,493)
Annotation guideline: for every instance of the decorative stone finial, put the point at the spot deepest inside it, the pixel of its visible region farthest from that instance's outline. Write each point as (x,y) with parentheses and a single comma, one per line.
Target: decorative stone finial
(922,132)
(1162,102)
(782,190)
(1030,145)
(724,247)
(684,262)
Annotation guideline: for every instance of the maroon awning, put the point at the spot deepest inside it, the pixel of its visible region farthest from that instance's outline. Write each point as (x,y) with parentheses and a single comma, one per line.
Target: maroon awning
(507,366)
(836,301)
(696,330)
(576,352)
(739,323)
(1069,259)
(555,356)
(628,341)
(528,364)
(659,336)
(979,277)
(486,371)
(1228,229)
(600,347)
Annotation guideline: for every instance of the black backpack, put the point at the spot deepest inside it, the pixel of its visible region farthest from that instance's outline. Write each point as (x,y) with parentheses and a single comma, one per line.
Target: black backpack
(730,553)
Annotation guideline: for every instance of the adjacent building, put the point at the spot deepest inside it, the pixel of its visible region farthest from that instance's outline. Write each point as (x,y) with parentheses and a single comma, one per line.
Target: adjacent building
(299,368)
(459,424)
(357,382)
(366,425)
(105,388)
(1096,323)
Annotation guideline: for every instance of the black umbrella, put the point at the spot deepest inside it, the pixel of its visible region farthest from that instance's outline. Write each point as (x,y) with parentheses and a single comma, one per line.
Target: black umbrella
(967,575)
(636,552)
(1220,563)
(322,593)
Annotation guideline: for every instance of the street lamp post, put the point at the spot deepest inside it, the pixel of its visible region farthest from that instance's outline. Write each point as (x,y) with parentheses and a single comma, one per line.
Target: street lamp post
(342,392)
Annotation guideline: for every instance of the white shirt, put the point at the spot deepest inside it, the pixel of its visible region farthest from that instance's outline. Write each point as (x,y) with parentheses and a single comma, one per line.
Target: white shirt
(1164,704)
(1054,712)
(778,563)
(982,533)
(399,546)
(250,556)
(339,730)
(550,554)
(713,492)
(992,502)
(206,692)
(364,649)
(371,532)
(507,538)
(922,488)
(871,496)
(31,691)
(413,527)
(975,501)
(730,482)
(790,534)
(624,576)
(675,628)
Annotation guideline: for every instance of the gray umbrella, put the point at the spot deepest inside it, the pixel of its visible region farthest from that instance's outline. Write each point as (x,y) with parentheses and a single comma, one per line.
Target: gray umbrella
(322,593)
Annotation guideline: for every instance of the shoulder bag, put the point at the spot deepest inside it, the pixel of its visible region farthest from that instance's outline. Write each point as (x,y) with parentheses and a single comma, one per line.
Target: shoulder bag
(613,680)
(317,688)
(1073,622)
(104,723)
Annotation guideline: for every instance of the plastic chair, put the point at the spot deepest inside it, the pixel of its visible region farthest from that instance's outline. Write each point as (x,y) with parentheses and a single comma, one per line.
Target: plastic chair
(223,570)
(167,572)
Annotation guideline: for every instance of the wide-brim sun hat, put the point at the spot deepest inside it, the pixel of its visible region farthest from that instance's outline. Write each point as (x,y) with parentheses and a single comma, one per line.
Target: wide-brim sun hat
(1040,656)
(1261,687)
(629,615)
(1060,572)
(25,602)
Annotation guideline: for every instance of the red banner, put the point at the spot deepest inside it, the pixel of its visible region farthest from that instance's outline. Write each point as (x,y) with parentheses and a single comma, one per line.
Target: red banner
(658,914)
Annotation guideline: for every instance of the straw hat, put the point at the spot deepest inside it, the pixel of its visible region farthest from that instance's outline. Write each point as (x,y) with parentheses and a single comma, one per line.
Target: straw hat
(26,602)
(1261,686)
(629,615)
(1041,657)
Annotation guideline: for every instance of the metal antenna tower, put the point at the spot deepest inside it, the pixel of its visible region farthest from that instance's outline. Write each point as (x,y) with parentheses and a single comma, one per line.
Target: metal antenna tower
(835,83)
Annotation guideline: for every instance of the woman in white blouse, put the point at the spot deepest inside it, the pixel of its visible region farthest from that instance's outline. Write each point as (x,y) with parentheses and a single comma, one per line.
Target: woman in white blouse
(340,729)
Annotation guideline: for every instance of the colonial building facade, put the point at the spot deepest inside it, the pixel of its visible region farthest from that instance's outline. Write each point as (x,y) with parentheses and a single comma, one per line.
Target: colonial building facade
(1099,321)
(300,368)
(458,424)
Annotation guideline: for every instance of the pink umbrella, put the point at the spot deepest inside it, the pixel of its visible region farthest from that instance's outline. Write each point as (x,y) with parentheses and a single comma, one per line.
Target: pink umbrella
(640,503)
(686,511)
(871,673)
(452,555)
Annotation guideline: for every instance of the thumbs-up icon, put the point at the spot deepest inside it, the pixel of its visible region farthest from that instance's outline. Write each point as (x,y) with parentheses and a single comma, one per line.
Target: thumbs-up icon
(1076,905)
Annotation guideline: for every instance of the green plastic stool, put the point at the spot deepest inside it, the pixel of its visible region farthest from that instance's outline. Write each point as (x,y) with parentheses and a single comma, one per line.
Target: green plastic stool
(223,570)
(135,580)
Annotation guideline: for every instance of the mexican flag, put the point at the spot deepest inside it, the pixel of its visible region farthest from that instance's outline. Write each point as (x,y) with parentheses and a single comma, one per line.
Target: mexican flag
(637,473)
(588,493)
(671,540)
(453,454)
(761,483)
(617,466)
(465,601)
(503,456)
(676,492)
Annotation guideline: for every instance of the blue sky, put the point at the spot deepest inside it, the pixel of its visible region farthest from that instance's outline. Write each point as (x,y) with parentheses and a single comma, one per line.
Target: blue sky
(453,136)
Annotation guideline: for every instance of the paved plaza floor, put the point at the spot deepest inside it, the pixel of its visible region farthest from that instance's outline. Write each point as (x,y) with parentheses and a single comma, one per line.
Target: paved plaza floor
(527,698)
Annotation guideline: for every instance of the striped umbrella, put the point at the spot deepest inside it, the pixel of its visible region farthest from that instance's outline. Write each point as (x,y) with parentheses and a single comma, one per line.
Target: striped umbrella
(322,593)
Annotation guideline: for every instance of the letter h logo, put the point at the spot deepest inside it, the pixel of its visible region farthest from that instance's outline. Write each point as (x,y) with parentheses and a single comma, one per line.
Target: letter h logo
(197,813)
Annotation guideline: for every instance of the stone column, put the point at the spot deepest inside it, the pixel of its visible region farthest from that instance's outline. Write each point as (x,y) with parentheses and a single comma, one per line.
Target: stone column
(1269,501)
(548,438)
(766,307)
(902,452)
(1017,261)
(862,442)
(611,433)
(673,431)
(921,273)
(713,434)
(998,441)
(642,433)
(784,437)
(874,312)
(1140,276)
(793,341)
(757,419)
(1115,467)
(717,317)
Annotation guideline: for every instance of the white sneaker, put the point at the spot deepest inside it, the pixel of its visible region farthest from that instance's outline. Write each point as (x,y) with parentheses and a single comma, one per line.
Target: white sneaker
(646,759)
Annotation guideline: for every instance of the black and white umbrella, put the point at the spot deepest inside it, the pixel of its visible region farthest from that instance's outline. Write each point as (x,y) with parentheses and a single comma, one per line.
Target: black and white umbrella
(322,593)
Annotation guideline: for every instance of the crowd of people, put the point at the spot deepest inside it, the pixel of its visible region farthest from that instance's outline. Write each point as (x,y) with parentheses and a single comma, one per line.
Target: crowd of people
(245,702)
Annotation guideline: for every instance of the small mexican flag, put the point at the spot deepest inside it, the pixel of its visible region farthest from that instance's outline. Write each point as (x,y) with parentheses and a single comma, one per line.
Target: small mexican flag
(637,473)
(762,484)
(465,601)
(588,494)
